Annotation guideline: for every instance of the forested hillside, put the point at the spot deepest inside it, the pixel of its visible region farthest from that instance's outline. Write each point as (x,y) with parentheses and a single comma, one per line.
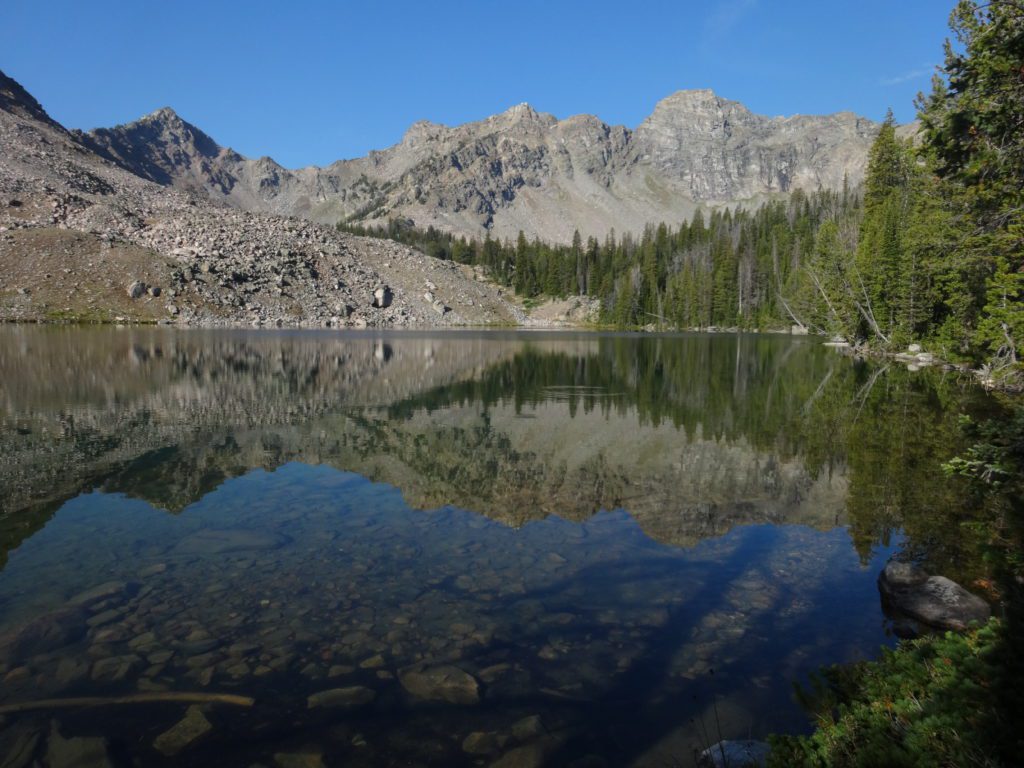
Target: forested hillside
(732,268)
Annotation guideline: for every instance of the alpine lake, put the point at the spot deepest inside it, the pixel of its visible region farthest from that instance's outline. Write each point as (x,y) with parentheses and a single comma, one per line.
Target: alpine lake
(306,548)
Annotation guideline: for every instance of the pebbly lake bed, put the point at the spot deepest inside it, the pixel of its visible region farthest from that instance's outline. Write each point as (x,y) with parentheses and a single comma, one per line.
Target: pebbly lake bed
(467,548)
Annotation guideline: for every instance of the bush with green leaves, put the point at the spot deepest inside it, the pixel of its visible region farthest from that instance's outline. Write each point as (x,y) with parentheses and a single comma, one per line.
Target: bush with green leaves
(933,701)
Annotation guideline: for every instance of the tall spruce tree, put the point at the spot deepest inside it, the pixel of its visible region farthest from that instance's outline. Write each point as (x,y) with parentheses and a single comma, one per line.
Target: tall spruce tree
(973,127)
(882,268)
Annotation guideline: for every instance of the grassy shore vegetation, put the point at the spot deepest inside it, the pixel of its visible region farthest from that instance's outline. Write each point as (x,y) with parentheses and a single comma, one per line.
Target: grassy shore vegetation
(928,703)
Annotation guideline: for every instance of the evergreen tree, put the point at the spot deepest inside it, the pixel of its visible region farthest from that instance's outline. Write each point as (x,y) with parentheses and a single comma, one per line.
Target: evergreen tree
(973,126)
(881,263)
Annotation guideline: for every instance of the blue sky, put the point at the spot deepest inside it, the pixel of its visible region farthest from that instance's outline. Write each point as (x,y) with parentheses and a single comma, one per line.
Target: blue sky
(312,81)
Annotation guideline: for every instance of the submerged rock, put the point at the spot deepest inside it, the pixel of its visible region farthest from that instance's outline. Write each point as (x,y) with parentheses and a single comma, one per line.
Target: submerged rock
(18,743)
(444,683)
(78,752)
(104,618)
(70,671)
(189,729)
(115,668)
(44,634)
(217,542)
(351,697)
(299,760)
(481,743)
(108,590)
(18,676)
(933,600)
(533,755)
(527,756)
(734,754)
(528,728)
(494,672)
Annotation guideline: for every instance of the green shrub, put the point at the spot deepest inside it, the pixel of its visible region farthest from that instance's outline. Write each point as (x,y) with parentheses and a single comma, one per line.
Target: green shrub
(933,701)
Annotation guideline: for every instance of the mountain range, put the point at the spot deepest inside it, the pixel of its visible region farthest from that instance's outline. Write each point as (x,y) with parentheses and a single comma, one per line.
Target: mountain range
(521,170)
(155,221)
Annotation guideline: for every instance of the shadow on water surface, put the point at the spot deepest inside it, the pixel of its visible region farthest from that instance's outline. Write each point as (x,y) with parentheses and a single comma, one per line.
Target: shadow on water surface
(748,466)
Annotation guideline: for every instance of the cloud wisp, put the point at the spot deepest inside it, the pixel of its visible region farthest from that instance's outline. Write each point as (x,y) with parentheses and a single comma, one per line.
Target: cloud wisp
(906,77)
(725,16)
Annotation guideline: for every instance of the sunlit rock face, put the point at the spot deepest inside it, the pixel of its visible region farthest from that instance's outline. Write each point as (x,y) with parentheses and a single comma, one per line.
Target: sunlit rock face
(523,169)
(721,151)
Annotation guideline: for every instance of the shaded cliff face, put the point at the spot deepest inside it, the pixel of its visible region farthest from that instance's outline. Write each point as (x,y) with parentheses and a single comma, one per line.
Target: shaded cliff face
(18,101)
(524,170)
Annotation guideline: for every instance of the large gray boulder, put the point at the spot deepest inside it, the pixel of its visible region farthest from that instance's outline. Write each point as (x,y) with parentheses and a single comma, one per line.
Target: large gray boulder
(44,634)
(382,297)
(444,683)
(939,602)
(189,729)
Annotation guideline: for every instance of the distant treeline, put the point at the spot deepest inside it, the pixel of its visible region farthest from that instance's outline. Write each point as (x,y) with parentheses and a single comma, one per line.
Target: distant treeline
(726,268)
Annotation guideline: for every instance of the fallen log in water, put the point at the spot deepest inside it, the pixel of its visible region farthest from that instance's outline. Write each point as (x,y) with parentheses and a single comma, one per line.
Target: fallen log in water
(159,697)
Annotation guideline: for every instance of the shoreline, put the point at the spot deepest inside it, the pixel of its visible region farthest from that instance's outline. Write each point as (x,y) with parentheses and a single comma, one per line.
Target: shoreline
(914,360)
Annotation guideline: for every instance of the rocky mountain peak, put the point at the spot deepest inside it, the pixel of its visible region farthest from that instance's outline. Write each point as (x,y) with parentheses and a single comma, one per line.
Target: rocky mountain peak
(268,163)
(717,150)
(523,116)
(422,130)
(699,112)
(159,146)
(165,116)
(522,110)
(165,125)
(692,96)
(16,100)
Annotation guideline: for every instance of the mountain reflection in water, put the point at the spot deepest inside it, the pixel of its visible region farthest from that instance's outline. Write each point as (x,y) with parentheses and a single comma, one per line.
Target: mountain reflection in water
(461,546)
